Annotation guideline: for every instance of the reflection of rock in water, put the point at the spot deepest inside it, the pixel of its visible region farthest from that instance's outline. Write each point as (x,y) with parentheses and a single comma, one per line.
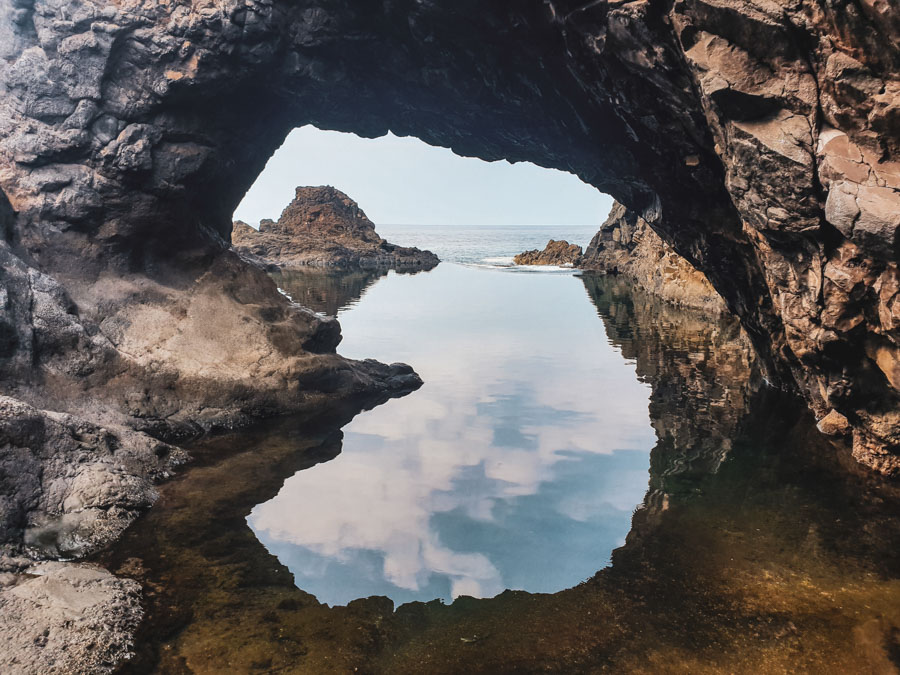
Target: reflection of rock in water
(326,291)
(700,368)
(329,290)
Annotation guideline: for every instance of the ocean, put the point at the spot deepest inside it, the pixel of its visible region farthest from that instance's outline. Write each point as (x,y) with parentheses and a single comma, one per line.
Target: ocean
(492,245)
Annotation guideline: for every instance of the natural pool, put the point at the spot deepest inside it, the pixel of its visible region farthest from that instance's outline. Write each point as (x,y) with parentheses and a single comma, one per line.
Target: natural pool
(517,465)
(554,406)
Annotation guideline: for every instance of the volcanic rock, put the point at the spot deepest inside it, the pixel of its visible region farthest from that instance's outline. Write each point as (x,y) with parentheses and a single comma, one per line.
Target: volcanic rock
(555,253)
(759,140)
(66,619)
(323,227)
(627,245)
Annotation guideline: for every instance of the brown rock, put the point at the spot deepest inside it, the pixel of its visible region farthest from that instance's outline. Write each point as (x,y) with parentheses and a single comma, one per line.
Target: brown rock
(323,227)
(129,132)
(68,618)
(834,424)
(555,253)
(626,245)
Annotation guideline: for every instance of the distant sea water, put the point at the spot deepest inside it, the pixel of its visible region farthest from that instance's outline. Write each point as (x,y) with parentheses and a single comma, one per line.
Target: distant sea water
(489,245)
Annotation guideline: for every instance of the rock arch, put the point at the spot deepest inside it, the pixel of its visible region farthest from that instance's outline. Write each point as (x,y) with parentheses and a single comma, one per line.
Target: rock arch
(758,138)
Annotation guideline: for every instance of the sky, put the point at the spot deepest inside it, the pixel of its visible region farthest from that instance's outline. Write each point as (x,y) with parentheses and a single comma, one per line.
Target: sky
(404,181)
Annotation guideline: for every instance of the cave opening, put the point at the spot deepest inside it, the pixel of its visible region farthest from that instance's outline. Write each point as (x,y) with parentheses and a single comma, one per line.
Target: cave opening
(758,140)
(530,422)
(329,202)
(405,181)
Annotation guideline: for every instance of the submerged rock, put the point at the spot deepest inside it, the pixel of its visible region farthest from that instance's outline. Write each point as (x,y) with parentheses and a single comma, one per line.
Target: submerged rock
(67,619)
(626,245)
(323,227)
(554,253)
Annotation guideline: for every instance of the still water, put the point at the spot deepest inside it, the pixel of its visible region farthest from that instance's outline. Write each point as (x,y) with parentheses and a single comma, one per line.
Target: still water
(480,245)
(517,465)
(618,459)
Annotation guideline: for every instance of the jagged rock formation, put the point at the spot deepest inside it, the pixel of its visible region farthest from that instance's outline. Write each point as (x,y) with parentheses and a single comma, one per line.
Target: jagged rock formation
(626,245)
(760,140)
(101,376)
(323,227)
(554,253)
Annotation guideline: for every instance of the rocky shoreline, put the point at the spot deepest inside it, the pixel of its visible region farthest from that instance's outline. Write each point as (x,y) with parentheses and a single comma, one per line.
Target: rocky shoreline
(760,143)
(323,227)
(626,245)
(108,369)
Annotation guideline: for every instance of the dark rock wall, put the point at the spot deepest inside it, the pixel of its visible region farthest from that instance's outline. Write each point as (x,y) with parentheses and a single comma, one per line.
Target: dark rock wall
(758,139)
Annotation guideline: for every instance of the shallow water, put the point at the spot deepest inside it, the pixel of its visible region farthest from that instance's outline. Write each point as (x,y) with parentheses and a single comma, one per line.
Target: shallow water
(554,406)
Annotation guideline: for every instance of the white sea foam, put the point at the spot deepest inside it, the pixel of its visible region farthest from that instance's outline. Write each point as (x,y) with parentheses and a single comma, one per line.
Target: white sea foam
(543,269)
(498,261)
(506,263)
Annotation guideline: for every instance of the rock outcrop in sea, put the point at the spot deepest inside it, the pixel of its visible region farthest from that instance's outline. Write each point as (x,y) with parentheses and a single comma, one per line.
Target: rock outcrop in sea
(554,253)
(323,227)
(626,245)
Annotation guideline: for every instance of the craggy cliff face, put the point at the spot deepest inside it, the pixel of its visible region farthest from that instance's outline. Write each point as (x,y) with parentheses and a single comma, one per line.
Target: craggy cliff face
(758,138)
(626,245)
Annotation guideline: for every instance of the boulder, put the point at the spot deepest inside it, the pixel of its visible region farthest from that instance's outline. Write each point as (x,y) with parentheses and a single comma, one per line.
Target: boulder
(560,253)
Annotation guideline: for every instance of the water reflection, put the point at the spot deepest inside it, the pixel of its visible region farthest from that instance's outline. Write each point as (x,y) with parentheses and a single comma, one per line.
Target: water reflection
(329,290)
(325,290)
(701,368)
(517,465)
(758,549)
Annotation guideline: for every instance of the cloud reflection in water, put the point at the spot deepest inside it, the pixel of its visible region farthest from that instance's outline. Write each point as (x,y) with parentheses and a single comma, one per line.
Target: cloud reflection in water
(517,464)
